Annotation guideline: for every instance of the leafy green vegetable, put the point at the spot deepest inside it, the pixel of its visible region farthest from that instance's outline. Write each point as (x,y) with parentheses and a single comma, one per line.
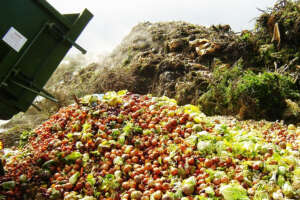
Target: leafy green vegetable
(23,178)
(280,180)
(210,191)
(109,183)
(197,127)
(73,179)
(296,176)
(69,135)
(8,185)
(85,158)
(78,144)
(287,189)
(192,140)
(88,198)
(86,127)
(203,135)
(89,99)
(234,192)
(90,179)
(188,185)
(205,147)
(48,163)
(55,194)
(73,156)
(112,98)
(261,195)
(147,132)
(138,129)
(128,128)
(122,139)
(191,180)
(178,194)
(118,161)
(115,133)
(282,170)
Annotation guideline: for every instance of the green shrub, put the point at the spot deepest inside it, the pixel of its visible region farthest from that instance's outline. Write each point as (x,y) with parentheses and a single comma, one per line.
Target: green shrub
(266,92)
(217,99)
(249,95)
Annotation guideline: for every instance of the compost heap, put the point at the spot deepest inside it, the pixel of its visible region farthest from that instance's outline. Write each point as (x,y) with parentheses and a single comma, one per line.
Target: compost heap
(128,146)
(252,74)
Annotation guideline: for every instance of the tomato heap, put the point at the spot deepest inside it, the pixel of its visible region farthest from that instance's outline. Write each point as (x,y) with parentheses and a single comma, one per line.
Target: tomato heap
(127,146)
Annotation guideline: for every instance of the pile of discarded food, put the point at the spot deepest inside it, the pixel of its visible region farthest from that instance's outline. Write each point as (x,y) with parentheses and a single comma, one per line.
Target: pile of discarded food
(126,146)
(252,75)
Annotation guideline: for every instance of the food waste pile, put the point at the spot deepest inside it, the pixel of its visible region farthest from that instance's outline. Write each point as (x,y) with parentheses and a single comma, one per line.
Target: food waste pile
(121,145)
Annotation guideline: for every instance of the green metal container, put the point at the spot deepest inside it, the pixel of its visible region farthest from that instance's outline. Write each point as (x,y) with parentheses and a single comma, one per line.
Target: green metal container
(34,38)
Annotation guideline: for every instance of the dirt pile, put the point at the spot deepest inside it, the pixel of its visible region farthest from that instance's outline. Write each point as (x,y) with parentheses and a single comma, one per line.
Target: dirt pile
(252,74)
(190,63)
(174,58)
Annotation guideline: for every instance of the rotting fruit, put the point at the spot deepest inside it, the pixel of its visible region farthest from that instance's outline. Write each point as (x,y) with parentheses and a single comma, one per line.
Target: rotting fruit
(127,146)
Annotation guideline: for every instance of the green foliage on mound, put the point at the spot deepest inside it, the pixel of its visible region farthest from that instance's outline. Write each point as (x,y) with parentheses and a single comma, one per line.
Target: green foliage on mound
(249,94)
(276,36)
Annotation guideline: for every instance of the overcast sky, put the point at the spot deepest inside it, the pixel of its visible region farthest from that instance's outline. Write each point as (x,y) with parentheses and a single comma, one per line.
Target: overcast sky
(115,18)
